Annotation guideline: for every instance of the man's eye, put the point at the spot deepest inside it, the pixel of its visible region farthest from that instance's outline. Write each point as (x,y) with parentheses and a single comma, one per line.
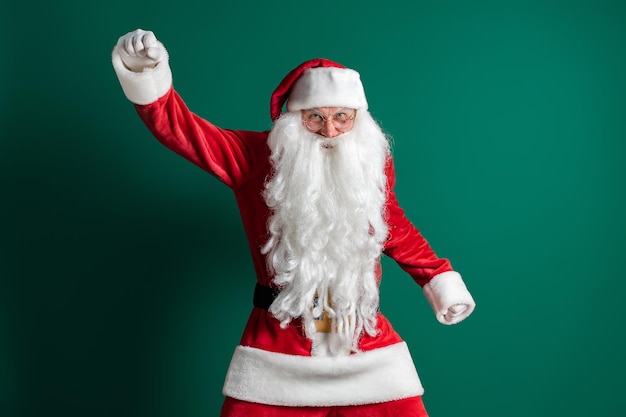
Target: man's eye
(315,117)
(341,116)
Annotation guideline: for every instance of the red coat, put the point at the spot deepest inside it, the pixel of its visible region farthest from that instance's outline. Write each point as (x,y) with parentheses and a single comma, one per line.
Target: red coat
(240,159)
(274,365)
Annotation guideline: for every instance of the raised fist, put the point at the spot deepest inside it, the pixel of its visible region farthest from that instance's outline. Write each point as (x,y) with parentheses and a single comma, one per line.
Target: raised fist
(140,49)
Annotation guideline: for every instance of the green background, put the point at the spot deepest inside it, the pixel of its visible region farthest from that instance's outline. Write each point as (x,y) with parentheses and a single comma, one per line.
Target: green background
(125,277)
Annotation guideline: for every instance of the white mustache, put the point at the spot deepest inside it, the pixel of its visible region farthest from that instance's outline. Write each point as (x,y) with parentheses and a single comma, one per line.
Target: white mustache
(328,143)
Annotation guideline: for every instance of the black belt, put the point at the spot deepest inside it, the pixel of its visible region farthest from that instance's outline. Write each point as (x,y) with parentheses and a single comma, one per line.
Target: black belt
(264,296)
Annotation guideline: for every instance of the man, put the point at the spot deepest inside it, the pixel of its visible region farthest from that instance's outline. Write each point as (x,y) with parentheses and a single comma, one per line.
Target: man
(316,199)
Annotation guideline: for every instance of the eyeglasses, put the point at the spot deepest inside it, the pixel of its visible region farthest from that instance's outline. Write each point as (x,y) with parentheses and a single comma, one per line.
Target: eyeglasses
(315,121)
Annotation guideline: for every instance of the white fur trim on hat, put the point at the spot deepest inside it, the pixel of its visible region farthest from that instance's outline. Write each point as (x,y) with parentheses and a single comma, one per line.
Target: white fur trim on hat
(445,291)
(380,375)
(143,87)
(327,87)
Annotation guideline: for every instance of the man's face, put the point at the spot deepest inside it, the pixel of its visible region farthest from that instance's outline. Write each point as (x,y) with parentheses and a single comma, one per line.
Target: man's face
(329,122)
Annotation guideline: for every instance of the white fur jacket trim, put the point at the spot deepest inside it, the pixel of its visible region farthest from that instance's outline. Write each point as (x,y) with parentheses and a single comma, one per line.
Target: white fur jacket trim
(375,376)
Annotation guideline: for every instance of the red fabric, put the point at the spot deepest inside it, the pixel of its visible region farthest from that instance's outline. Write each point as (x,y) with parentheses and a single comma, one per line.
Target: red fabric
(405,243)
(240,159)
(263,332)
(409,407)
(281,93)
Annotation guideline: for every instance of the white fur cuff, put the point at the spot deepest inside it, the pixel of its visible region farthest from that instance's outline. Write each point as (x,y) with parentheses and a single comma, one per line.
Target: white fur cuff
(143,87)
(448,296)
(375,376)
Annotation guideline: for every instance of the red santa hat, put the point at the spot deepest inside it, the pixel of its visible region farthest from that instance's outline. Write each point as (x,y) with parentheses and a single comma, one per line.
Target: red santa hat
(318,83)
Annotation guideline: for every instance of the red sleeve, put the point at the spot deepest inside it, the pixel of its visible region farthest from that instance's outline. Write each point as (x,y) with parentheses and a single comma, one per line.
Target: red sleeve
(405,244)
(230,155)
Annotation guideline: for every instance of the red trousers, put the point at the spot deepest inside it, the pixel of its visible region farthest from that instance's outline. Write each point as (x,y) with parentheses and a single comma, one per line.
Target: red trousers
(409,407)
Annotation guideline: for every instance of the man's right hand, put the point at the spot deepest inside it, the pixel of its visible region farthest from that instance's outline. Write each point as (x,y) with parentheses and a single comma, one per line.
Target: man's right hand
(140,49)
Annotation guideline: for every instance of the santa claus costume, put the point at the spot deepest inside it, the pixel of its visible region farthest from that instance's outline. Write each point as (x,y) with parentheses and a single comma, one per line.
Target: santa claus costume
(318,213)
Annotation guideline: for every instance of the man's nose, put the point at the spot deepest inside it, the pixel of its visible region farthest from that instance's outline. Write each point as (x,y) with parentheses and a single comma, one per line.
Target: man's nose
(329,130)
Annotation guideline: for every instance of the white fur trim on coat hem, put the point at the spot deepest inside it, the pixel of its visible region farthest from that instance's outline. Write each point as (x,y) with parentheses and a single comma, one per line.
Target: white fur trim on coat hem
(143,87)
(448,290)
(375,376)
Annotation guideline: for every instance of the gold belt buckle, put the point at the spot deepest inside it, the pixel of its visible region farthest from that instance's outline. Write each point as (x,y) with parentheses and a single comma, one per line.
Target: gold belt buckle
(323,323)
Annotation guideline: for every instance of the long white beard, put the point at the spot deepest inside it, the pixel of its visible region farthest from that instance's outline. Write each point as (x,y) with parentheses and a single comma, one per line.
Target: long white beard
(327,226)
